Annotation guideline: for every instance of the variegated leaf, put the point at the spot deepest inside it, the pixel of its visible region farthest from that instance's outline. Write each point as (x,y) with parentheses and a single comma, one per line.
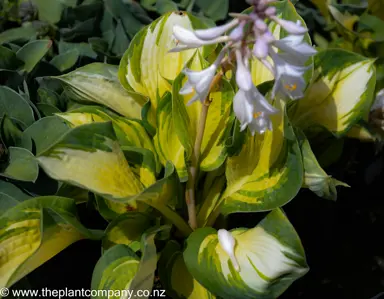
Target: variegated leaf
(340,95)
(270,257)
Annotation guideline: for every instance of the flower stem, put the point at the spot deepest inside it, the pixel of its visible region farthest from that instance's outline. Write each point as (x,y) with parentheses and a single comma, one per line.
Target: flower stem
(190,192)
(195,158)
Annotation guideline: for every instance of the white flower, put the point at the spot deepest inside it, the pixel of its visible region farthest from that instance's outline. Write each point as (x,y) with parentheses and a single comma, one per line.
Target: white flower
(295,46)
(228,242)
(253,110)
(212,33)
(200,81)
(288,77)
(289,65)
(187,39)
(249,105)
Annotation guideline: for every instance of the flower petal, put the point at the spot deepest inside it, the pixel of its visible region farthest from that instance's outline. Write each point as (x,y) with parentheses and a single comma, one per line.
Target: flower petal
(185,36)
(204,84)
(194,99)
(291,40)
(212,33)
(242,108)
(260,124)
(186,89)
(294,45)
(291,27)
(291,86)
(189,39)
(261,104)
(195,76)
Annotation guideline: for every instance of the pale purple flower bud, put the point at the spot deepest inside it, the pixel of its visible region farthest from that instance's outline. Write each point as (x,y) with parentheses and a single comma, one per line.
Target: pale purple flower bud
(237,33)
(260,48)
(291,27)
(243,75)
(268,37)
(253,16)
(260,25)
(270,11)
(262,4)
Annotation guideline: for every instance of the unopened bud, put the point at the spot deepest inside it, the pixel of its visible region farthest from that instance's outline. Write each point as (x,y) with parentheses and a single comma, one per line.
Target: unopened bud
(237,33)
(268,37)
(260,25)
(270,11)
(243,75)
(260,48)
(262,5)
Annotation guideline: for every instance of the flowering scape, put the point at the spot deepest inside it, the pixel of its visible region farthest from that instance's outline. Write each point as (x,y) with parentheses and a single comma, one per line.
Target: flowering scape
(251,108)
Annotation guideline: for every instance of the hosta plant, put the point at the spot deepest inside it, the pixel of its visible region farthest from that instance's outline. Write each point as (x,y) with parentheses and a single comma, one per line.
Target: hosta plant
(195,124)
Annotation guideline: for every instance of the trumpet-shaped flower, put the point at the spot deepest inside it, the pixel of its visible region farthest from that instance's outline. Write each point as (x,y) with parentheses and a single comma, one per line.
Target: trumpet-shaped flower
(200,81)
(289,79)
(289,65)
(253,110)
(296,47)
(227,243)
